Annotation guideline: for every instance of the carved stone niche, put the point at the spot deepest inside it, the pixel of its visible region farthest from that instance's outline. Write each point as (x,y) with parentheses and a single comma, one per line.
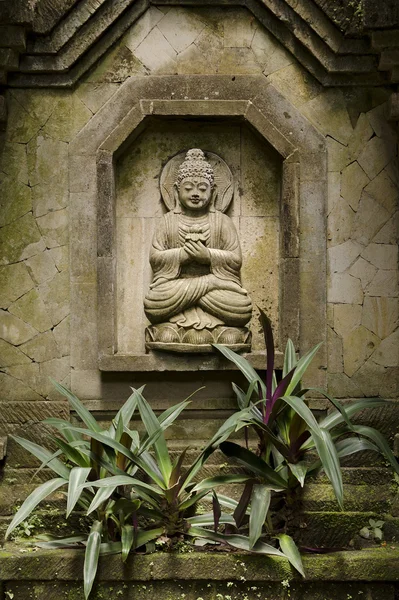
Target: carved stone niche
(278,163)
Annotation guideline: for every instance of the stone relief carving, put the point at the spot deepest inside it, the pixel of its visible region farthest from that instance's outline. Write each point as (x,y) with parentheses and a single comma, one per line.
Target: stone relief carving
(196,297)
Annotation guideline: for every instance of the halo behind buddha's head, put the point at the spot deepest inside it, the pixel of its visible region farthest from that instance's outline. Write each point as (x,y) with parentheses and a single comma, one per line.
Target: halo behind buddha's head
(197,163)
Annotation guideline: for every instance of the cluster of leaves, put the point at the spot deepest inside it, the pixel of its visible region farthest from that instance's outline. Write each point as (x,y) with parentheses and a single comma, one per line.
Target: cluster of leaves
(137,495)
(122,479)
(289,436)
(373,531)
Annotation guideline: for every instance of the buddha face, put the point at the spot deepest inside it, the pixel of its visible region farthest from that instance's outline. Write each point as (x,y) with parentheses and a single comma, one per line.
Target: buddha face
(195,193)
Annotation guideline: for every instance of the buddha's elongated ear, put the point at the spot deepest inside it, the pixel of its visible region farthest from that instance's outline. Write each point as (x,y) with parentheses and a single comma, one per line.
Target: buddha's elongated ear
(214,197)
(177,207)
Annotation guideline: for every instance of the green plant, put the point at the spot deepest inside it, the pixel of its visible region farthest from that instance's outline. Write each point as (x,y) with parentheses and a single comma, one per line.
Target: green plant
(289,435)
(373,531)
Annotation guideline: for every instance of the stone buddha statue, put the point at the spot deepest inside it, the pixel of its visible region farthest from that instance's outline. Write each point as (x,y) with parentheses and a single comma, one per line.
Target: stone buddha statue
(196,297)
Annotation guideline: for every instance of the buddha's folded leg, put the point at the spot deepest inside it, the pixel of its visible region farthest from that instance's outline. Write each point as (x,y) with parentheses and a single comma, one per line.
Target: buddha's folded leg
(233,308)
(166,299)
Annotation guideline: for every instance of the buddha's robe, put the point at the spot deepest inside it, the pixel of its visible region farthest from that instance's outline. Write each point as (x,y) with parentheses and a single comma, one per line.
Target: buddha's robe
(195,295)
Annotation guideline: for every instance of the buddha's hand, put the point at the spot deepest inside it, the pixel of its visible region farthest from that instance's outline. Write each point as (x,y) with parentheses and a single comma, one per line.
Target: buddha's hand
(198,252)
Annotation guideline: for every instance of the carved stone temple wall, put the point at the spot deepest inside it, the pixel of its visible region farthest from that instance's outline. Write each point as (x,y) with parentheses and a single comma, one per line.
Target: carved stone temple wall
(303,117)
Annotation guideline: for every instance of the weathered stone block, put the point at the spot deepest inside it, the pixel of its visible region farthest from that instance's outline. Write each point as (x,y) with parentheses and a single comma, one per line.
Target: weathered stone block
(387,353)
(369,219)
(384,190)
(156,53)
(360,136)
(31,309)
(15,199)
(335,352)
(55,294)
(21,239)
(14,330)
(389,233)
(13,161)
(382,256)
(10,355)
(329,114)
(380,315)
(354,179)
(181,27)
(339,223)
(95,95)
(358,346)
(54,228)
(61,333)
(41,348)
(14,282)
(67,118)
(346,318)
(384,283)
(142,28)
(363,270)
(376,154)
(345,289)
(41,267)
(13,389)
(343,256)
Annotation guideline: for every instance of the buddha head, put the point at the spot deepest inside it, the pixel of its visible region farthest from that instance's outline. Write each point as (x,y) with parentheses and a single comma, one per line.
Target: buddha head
(194,187)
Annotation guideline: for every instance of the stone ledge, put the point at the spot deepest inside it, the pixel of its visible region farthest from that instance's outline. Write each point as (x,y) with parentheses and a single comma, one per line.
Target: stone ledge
(380,564)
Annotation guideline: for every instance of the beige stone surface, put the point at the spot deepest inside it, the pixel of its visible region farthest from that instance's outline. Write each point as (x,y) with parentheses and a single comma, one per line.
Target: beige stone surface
(240,61)
(142,28)
(41,348)
(360,136)
(260,271)
(47,160)
(344,289)
(181,28)
(358,346)
(15,199)
(14,282)
(38,103)
(21,127)
(329,114)
(339,223)
(338,155)
(389,233)
(60,256)
(118,64)
(31,309)
(334,190)
(380,315)
(382,256)
(375,380)
(10,355)
(67,118)
(54,228)
(12,389)
(269,53)
(354,179)
(95,95)
(363,270)
(376,154)
(58,369)
(156,53)
(239,29)
(384,283)
(13,330)
(341,257)
(342,386)
(387,354)
(14,162)
(41,267)
(379,118)
(55,294)
(61,333)
(295,83)
(21,239)
(384,190)
(346,318)
(369,219)
(335,352)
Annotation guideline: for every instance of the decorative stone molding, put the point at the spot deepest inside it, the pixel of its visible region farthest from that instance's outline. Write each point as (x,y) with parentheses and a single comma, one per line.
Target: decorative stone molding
(303,237)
